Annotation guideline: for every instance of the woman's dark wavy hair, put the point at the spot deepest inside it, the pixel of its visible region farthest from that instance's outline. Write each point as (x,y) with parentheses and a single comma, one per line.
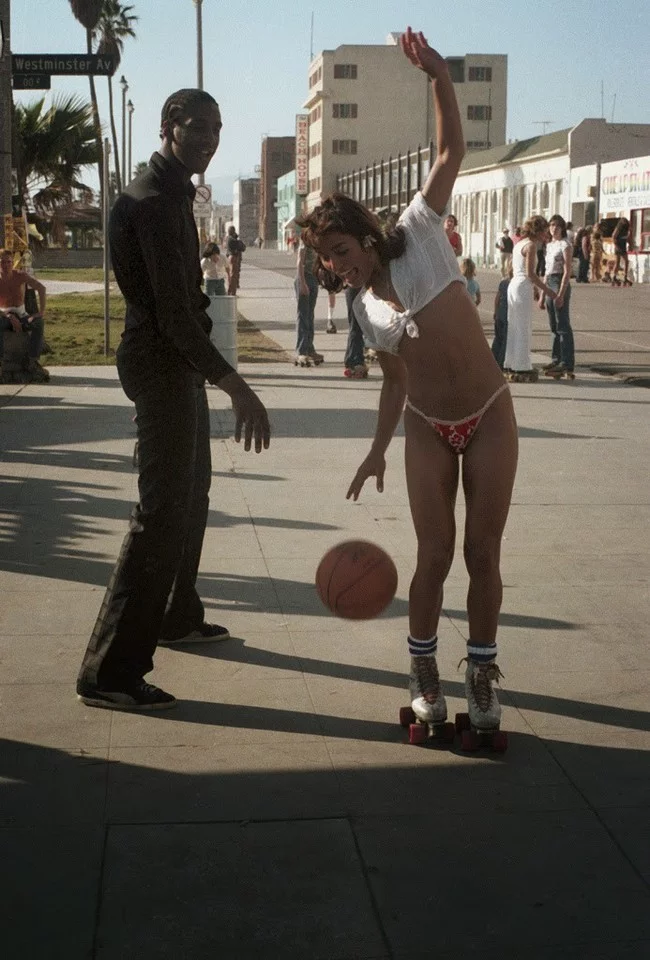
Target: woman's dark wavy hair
(561,222)
(340,214)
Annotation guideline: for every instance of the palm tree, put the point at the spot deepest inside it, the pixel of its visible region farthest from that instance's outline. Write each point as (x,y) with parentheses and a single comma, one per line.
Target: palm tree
(140,167)
(87,12)
(54,145)
(114,26)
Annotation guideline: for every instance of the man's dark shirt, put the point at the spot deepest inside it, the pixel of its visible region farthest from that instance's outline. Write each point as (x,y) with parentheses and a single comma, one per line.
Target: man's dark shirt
(155,254)
(506,245)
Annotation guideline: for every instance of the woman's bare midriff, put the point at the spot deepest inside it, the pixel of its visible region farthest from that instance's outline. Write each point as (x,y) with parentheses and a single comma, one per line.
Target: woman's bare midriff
(450,367)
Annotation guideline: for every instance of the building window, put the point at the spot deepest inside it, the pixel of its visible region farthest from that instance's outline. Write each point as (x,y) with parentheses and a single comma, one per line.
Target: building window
(480,73)
(315,114)
(314,185)
(478,144)
(456,69)
(316,77)
(315,149)
(344,146)
(479,112)
(345,71)
(344,111)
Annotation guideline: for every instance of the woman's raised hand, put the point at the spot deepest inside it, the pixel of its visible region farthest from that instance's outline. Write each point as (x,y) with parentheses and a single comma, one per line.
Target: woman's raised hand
(421,55)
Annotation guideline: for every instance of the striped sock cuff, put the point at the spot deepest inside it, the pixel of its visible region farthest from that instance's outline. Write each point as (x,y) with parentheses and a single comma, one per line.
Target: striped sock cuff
(481,653)
(423,648)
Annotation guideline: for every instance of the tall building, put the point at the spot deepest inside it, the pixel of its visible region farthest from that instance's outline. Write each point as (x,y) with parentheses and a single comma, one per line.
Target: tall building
(367,101)
(278,158)
(246,207)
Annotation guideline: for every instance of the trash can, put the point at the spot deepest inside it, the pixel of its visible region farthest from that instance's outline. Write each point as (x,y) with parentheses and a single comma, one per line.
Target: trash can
(223,313)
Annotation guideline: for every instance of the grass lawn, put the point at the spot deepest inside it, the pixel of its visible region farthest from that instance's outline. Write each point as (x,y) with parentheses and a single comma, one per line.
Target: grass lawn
(74,329)
(88,274)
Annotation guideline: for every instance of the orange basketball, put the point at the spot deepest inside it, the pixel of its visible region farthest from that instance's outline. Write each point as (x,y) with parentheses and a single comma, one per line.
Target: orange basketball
(356,580)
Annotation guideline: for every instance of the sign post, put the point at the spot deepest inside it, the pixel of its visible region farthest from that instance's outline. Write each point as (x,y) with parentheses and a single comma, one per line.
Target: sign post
(202,208)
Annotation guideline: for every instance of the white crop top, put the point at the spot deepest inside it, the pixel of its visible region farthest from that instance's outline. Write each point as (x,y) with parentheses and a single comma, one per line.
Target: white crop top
(427,266)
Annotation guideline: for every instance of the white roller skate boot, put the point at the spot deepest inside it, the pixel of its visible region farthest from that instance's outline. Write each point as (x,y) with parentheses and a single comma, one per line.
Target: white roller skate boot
(426,718)
(480,725)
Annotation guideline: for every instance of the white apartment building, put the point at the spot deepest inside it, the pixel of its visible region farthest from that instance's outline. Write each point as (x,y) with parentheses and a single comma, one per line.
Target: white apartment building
(366,101)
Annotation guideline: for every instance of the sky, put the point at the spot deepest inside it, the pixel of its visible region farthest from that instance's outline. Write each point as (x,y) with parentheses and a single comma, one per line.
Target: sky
(256,56)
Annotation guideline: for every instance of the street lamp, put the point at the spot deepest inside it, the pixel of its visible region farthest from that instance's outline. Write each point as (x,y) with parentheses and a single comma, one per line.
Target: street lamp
(199,56)
(131,108)
(124,85)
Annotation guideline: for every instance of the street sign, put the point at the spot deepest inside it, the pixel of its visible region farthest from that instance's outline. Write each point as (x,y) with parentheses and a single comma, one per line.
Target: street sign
(203,202)
(31,81)
(63,64)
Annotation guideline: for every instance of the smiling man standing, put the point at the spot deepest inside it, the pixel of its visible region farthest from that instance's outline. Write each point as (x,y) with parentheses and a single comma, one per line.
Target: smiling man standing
(163,361)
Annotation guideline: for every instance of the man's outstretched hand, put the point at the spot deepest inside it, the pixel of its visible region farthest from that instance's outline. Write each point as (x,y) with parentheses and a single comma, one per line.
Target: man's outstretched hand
(251,418)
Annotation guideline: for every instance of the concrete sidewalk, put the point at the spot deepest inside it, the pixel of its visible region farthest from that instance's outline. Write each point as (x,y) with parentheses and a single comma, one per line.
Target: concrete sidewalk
(277,812)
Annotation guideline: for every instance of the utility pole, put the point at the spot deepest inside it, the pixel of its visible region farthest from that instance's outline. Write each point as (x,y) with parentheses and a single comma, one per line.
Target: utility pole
(543,124)
(6,102)
(124,85)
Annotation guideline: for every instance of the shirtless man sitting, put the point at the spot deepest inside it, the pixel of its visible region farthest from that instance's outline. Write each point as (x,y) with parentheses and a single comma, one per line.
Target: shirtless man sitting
(13,315)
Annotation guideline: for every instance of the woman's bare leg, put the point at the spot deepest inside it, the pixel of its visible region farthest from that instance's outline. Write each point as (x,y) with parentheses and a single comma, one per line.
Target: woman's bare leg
(489,467)
(432,481)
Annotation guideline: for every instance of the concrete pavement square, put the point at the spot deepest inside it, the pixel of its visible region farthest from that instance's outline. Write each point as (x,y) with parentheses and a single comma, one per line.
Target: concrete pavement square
(251,891)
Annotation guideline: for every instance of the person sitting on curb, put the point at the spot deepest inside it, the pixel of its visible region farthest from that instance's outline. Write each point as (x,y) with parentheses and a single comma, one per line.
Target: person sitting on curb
(14,316)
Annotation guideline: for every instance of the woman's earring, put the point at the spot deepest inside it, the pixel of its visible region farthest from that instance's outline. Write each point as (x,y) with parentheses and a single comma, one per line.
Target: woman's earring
(368,241)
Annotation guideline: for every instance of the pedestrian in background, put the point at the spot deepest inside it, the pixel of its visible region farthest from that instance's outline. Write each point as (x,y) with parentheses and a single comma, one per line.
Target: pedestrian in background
(559,259)
(505,247)
(234,250)
(306,287)
(452,234)
(520,301)
(214,271)
(468,270)
(500,318)
(355,366)
(596,253)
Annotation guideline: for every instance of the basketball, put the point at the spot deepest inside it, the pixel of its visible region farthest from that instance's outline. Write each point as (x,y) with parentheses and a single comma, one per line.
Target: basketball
(356,580)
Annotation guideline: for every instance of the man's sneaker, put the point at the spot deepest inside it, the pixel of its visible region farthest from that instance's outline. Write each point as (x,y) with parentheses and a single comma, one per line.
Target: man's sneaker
(206,633)
(137,696)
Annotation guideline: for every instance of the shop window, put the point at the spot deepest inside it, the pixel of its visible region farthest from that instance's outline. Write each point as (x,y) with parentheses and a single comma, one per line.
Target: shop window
(640,230)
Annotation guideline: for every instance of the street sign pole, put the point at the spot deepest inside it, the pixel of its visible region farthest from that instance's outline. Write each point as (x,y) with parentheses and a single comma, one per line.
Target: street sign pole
(5,118)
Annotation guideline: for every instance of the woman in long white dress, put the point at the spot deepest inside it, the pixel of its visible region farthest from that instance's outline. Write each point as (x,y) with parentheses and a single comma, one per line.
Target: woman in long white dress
(521,301)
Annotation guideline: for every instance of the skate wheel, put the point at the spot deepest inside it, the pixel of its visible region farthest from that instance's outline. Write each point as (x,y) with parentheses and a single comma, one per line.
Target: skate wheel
(448,734)
(406,717)
(500,741)
(469,740)
(462,722)
(418,733)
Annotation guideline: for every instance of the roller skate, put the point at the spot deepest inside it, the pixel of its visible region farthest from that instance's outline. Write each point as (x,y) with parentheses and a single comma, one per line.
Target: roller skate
(331,327)
(370,356)
(550,366)
(316,358)
(302,360)
(480,726)
(358,372)
(524,376)
(627,282)
(559,371)
(426,718)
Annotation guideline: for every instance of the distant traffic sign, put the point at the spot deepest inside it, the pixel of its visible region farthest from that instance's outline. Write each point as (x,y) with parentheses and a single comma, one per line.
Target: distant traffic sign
(63,64)
(31,81)
(203,202)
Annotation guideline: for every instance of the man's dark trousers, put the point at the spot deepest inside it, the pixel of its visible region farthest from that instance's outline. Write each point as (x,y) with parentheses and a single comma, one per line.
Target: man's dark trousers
(152,591)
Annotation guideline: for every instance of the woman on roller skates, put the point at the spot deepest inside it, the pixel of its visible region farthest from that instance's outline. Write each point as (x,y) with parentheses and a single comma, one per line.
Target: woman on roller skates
(414,310)
(521,299)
